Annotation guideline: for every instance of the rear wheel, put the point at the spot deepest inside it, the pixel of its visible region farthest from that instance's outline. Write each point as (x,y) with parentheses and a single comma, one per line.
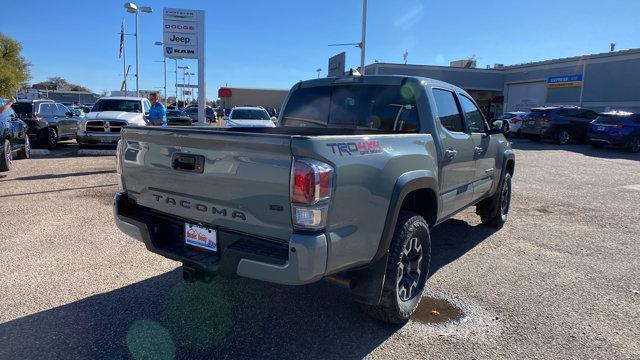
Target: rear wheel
(52,138)
(407,270)
(633,145)
(562,137)
(25,152)
(5,156)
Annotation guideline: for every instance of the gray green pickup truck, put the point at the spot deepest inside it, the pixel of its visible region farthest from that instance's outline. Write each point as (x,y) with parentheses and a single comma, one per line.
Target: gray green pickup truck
(346,188)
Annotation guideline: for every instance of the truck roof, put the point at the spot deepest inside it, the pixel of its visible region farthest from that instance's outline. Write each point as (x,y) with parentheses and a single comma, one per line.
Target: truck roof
(375,80)
(139,98)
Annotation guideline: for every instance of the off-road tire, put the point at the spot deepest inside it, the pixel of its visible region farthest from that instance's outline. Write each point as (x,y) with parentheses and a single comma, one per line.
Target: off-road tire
(494,212)
(51,139)
(411,230)
(25,152)
(5,156)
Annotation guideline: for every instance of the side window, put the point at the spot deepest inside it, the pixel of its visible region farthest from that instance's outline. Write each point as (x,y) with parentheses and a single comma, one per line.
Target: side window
(475,122)
(146,106)
(589,115)
(62,110)
(46,109)
(447,110)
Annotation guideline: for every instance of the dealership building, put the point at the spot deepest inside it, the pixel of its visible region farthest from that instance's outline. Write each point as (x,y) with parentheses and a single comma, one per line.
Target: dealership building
(607,81)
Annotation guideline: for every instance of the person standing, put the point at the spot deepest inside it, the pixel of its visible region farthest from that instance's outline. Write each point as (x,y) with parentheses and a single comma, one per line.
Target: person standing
(157,113)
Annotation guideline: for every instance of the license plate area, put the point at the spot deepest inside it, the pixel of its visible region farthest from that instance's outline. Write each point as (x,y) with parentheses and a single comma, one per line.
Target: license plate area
(106,141)
(600,128)
(201,237)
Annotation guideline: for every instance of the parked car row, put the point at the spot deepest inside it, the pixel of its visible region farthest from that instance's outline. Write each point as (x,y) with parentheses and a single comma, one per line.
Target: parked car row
(565,124)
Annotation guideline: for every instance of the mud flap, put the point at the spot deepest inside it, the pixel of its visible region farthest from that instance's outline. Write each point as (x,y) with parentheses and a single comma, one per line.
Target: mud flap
(366,284)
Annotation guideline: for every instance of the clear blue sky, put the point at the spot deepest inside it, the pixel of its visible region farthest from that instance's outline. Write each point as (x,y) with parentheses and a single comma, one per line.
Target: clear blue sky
(275,43)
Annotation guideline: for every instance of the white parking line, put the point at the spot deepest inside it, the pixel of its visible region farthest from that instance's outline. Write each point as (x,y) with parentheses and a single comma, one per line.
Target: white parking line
(633,187)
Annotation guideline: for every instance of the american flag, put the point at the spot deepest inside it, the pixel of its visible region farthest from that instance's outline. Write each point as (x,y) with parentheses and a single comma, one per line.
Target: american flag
(121,39)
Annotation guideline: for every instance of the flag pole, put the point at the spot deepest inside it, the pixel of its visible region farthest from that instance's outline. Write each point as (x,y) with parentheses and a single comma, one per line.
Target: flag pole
(124,59)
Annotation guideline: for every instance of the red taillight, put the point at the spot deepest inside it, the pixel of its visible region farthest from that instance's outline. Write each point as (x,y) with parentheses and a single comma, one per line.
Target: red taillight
(618,126)
(311,185)
(311,181)
(38,118)
(514,121)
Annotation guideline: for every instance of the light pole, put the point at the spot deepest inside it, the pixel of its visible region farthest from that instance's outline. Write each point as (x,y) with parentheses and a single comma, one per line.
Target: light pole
(134,9)
(164,61)
(184,72)
(189,84)
(318,71)
(362,42)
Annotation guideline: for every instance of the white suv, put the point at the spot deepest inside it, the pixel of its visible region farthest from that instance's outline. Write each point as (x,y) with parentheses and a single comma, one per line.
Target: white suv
(108,116)
(248,116)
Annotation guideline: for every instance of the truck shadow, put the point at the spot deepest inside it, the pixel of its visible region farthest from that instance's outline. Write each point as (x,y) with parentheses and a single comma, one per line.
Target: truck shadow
(584,149)
(454,238)
(163,317)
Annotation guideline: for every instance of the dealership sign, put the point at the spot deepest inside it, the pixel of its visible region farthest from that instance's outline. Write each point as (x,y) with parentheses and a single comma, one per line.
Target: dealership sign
(564,81)
(183,37)
(181,29)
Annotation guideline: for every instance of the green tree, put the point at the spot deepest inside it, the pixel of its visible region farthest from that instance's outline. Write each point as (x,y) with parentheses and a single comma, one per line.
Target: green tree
(58,83)
(14,69)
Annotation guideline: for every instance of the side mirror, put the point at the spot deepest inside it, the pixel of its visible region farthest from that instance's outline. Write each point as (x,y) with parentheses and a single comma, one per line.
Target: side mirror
(274,119)
(497,127)
(146,113)
(225,118)
(69,113)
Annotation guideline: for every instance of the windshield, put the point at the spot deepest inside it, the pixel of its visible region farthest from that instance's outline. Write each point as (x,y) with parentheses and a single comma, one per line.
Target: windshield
(132,106)
(372,107)
(249,114)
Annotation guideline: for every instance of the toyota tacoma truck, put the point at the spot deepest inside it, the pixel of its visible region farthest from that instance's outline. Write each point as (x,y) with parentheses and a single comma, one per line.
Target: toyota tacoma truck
(346,188)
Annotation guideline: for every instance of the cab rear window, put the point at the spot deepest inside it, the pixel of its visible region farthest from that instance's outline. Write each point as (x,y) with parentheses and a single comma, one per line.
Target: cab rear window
(386,108)
(23,108)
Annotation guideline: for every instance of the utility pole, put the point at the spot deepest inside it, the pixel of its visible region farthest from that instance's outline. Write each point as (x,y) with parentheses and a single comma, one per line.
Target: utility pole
(364,35)
(177,107)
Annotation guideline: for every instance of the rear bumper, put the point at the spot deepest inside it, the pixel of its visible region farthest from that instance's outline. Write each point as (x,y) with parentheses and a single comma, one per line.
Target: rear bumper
(97,138)
(607,139)
(299,261)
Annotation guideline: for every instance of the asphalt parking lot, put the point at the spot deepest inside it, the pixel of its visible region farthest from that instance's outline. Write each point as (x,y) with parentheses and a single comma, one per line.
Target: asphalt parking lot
(560,280)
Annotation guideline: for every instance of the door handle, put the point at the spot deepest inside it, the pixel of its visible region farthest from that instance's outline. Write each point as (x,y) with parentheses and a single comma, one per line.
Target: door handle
(479,149)
(450,153)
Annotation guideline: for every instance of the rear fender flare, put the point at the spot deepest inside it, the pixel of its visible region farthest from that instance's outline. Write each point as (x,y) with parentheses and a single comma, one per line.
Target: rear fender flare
(406,183)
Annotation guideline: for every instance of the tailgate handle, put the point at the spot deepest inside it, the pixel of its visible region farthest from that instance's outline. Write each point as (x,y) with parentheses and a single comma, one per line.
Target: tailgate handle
(187,162)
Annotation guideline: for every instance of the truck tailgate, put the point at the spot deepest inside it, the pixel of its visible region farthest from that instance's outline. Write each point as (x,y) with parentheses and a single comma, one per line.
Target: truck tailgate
(236,181)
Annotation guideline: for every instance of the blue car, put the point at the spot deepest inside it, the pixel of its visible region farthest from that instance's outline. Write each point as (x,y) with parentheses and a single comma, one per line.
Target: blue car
(620,129)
